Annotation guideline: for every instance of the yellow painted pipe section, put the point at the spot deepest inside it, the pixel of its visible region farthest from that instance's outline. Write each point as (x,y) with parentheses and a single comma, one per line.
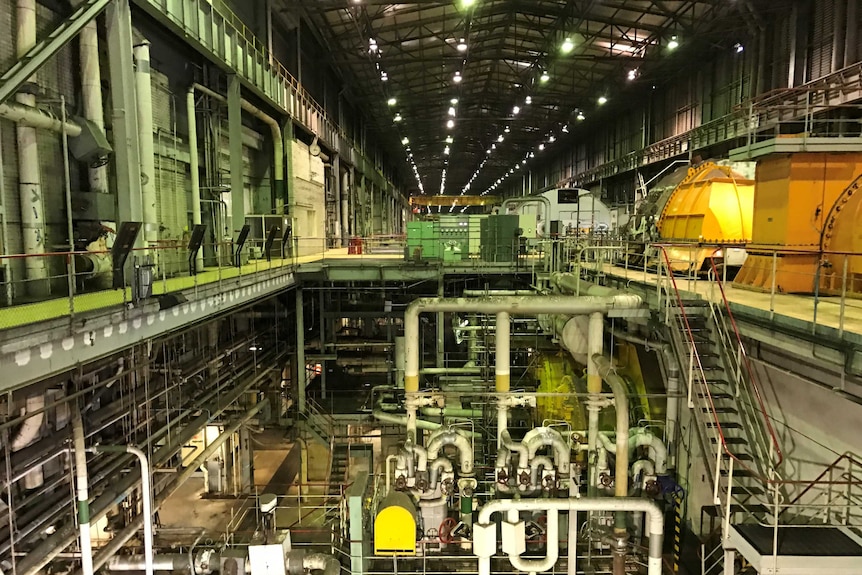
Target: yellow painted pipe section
(502,383)
(411,383)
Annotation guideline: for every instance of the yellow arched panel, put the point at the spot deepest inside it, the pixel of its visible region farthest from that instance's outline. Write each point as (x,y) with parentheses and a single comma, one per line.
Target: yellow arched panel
(395,532)
(712,205)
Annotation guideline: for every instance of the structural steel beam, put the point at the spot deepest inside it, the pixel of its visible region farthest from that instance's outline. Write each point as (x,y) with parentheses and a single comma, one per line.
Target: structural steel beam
(454,201)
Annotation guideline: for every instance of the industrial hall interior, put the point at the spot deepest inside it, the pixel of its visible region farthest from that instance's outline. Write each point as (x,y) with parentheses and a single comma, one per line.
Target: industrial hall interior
(360,287)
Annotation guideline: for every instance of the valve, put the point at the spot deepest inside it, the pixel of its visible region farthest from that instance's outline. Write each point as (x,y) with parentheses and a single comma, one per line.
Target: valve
(524,478)
(502,477)
(446,487)
(606,480)
(400,483)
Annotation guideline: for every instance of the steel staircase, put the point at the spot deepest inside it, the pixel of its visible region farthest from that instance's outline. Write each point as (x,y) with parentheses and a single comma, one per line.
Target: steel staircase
(735,433)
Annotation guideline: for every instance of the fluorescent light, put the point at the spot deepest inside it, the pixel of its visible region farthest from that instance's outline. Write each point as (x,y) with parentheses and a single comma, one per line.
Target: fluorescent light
(391,101)
(602,100)
(567,46)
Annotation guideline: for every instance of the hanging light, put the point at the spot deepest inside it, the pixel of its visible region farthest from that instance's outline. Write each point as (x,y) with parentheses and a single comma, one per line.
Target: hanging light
(450,124)
(451,111)
(673,44)
(544,77)
(391,101)
(516,110)
(528,100)
(567,46)
(462,45)
(398,117)
(457,78)
(581,116)
(602,100)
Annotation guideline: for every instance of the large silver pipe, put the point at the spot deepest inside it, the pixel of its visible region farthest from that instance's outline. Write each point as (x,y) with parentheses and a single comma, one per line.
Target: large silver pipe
(144,91)
(83,493)
(526,305)
(621,404)
(485,532)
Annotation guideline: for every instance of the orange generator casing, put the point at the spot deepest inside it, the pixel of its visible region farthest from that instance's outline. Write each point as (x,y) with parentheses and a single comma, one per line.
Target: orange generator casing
(794,193)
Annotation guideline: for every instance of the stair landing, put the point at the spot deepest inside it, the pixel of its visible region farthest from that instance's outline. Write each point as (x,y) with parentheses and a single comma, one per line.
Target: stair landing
(803,550)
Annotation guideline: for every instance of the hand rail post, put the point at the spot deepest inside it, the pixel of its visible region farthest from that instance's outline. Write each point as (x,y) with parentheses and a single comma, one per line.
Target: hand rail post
(843,296)
(772,289)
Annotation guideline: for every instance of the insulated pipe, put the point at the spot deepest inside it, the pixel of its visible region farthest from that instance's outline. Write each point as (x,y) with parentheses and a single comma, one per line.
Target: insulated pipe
(553,549)
(595,343)
(451,412)
(626,504)
(395,419)
(639,437)
(621,404)
(146,497)
(194,168)
(32,117)
(502,362)
(172,562)
(345,209)
(438,467)
(144,89)
(83,493)
(497,292)
(28,434)
(91,94)
(277,145)
(528,200)
(449,437)
(535,464)
(539,437)
(527,305)
(321,562)
(29,170)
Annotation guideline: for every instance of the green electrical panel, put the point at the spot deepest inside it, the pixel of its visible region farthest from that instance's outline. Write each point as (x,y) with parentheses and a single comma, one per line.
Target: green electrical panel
(499,234)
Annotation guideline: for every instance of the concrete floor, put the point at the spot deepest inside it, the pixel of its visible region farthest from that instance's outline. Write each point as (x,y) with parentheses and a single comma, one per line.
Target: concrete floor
(190,511)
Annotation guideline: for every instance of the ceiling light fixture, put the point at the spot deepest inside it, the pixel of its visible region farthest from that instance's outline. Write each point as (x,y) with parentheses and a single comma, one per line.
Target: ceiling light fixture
(673,44)
(739,48)
(454,101)
(457,78)
(581,116)
(450,124)
(500,138)
(391,101)
(567,46)
(506,129)
(516,110)
(566,129)
(372,44)
(541,147)
(633,73)
(451,111)
(528,100)
(552,139)
(405,141)
(449,139)
(462,45)
(602,100)
(544,77)
(397,117)
(384,77)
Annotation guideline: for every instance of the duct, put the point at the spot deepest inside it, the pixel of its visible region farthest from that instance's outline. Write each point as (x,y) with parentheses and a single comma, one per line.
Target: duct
(450,437)
(27,434)
(540,437)
(131,529)
(33,117)
(29,170)
(504,209)
(144,90)
(484,533)
(91,94)
(83,494)
(527,305)
(194,168)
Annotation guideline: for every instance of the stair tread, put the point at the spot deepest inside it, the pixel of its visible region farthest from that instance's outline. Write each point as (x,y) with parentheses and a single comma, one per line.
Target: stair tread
(717,510)
(731,440)
(719,409)
(725,424)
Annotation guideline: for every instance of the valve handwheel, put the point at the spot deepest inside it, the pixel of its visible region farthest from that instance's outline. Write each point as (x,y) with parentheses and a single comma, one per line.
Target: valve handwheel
(446,528)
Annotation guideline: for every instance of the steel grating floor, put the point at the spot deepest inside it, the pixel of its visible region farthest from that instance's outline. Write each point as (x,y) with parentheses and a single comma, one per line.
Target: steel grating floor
(801,541)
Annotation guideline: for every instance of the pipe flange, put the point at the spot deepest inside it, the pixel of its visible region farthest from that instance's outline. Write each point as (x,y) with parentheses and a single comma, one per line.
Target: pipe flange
(502,477)
(524,478)
(400,483)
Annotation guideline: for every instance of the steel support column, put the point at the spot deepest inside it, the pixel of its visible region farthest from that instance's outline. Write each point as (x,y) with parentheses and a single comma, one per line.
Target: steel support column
(234,120)
(301,374)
